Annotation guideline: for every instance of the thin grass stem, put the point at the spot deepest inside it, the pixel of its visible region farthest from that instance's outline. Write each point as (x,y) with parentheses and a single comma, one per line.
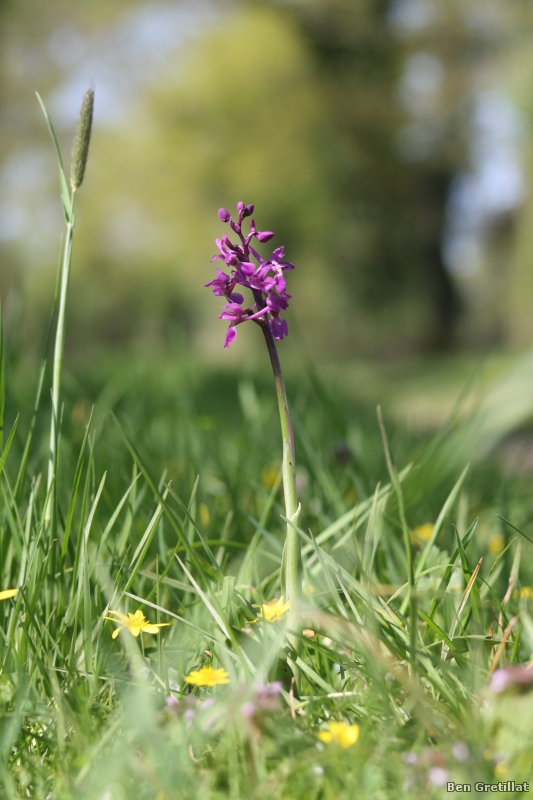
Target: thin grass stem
(58,361)
(396,485)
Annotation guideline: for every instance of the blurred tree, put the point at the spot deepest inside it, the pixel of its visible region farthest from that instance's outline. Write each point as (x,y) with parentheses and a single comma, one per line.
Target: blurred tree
(400,80)
(235,116)
(517,285)
(347,122)
(43,45)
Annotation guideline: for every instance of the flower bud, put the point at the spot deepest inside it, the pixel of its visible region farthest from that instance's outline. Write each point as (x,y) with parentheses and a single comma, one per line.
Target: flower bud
(240,205)
(264,236)
(223,215)
(171,703)
(236,297)
(80,148)
(248,211)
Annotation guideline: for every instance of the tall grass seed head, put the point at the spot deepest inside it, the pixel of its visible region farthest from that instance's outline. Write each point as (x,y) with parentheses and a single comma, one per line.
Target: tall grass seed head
(80,148)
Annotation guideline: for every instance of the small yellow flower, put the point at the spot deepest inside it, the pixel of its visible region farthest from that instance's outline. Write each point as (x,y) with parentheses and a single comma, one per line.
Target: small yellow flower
(525,593)
(422,533)
(340,733)
(207,676)
(137,623)
(270,474)
(205,516)
(501,769)
(496,544)
(273,610)
(7,593)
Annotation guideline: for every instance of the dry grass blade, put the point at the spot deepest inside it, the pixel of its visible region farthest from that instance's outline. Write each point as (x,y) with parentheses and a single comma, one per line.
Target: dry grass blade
(501,646)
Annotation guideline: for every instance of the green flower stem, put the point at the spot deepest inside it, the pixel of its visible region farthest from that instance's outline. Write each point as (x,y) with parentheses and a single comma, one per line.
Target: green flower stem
(291,579)
(58,360)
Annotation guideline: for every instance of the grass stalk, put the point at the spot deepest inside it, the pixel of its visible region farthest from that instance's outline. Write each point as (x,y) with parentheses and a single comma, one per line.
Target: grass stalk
(396,485)
(80,154)
(59,347)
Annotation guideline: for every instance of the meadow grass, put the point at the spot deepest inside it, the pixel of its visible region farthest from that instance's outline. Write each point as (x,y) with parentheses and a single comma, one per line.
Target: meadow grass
(166,498)
(87,716)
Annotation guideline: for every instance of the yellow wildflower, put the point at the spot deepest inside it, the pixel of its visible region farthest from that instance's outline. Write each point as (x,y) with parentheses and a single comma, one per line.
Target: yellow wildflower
(137,623)
(501,769)
(525,593)
(205,516)
(340,733)
(496,544)
(270,474)
(207,676)
(422,533)
(7,593)
(273,610)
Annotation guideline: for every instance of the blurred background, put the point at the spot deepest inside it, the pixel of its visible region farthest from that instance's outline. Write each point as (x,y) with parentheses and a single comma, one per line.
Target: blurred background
(386,142)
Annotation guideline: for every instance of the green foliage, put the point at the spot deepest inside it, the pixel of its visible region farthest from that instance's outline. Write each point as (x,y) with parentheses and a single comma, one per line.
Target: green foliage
(166,502)
(84,714)
(303,109)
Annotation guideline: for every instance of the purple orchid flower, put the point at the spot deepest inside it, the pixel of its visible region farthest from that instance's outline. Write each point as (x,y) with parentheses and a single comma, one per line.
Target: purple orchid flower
(278,327)
(276,259)
(265,278)
(236,314)
(223,287)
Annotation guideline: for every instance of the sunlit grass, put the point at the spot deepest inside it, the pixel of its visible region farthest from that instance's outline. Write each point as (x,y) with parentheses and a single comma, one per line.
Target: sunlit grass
(164,515)
(84,714)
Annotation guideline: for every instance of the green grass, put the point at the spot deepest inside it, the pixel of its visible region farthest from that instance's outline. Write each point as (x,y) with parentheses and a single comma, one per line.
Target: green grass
(165,496)
(85,716)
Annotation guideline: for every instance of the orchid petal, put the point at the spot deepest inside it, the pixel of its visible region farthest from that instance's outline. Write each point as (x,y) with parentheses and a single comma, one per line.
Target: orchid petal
(231,335)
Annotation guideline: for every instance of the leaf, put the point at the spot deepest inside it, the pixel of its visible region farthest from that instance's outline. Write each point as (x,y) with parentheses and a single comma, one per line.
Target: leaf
(168,513)
(449,570)
(63,184)
(515,528)
(74,493)
(462,604)
(215,568)
(9,442)
(434,627)
(144,544)
(467,569)
(313,675)
(440,520)
(208,604)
